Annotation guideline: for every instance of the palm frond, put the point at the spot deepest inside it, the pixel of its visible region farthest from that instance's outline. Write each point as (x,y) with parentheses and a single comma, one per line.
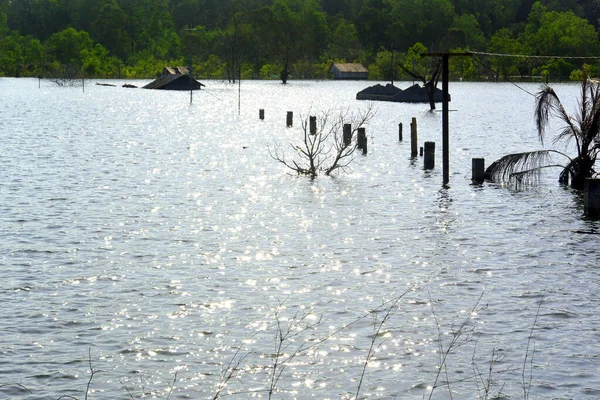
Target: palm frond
(567,134)
(548,103)
(590,126)
(521,168)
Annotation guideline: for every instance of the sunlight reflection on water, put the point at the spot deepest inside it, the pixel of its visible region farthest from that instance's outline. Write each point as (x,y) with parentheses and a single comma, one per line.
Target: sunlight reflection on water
(163,239)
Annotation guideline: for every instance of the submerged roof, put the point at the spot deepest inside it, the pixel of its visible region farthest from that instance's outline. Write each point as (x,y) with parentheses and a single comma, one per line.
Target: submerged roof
(378,92)
(176,70)
(174,82)
(389,92)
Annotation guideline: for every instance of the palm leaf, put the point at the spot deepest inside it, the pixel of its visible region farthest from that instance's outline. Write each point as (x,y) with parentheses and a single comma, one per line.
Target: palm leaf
(521,168)
(547,104)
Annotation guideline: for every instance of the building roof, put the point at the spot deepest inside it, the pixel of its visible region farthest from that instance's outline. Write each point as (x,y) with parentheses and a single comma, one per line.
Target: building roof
(389,92)
(349,67)
(165,81)
(175,70)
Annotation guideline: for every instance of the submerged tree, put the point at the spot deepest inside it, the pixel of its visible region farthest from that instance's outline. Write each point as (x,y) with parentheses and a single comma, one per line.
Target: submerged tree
(583,129)
(327,149)
(427,73)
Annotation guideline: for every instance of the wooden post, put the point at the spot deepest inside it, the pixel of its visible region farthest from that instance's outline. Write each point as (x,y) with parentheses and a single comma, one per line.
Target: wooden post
(478,170)
(429,160)
(261,114)
(347,134)
(413,137)
(313,125)
(361,140)
(400,132)
(290,119)
(591,198)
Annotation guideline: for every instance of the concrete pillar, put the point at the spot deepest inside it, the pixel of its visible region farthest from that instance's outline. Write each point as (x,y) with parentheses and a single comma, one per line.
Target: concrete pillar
(347,134)
(591,198)
(478,170)
(429,160)
(361,140)
(313,125)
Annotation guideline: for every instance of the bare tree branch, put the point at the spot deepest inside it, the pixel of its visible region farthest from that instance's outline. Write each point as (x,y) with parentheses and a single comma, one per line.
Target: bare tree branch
(326,150)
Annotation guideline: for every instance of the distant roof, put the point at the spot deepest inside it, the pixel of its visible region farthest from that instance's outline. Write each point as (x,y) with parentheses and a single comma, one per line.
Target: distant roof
(175,70)
(349,67)
(379,90)
(389,92)
(166,82)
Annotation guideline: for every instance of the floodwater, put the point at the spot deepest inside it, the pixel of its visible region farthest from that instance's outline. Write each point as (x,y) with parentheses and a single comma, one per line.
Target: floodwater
(154,249)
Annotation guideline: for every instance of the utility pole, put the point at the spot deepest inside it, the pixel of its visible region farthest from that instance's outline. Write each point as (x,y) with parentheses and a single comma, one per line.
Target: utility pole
(191,65)
(445,110)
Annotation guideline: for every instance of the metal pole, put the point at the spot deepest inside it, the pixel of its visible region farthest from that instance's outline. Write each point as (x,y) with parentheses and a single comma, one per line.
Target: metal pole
(445,109)
(445,128)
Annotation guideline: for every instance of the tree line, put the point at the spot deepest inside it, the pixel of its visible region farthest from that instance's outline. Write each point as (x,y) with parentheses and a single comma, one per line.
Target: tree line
(267,39)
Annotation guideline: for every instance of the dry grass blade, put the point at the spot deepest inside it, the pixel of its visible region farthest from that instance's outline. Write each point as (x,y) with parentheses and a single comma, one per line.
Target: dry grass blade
(460,336)
(529,353)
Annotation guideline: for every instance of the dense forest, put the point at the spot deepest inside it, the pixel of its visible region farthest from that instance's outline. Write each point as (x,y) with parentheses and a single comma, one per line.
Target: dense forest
(258,39)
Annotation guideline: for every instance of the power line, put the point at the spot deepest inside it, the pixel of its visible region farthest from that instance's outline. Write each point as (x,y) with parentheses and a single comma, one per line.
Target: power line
(504,77)
(531,56)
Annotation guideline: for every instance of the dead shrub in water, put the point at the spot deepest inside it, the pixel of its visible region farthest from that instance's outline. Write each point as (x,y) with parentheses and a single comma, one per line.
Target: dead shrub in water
(326,150)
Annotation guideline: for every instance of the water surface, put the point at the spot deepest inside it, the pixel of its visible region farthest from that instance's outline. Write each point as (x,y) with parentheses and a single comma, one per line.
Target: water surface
(158,242)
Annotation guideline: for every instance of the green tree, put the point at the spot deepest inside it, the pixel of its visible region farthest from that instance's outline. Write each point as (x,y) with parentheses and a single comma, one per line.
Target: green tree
(382,68)
(465,33)
(314,28)
(425,21)
(109,28)
(372,23)
(492,15)
(20,56)
(3,24)
(503,42)
(150,27)
(463,67)
(344,44)
(66,48)
(412,61)
(95,61)
(560,33)
(49,17)
(186,13)
(12,58)
(282,30)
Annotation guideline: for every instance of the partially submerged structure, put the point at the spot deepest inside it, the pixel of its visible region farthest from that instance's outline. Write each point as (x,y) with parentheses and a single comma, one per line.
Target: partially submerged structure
(414,94)
(175,78)
(348,71)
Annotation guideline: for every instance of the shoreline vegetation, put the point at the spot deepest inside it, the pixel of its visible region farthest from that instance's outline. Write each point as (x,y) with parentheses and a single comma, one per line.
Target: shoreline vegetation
(296,336)
(279,39)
